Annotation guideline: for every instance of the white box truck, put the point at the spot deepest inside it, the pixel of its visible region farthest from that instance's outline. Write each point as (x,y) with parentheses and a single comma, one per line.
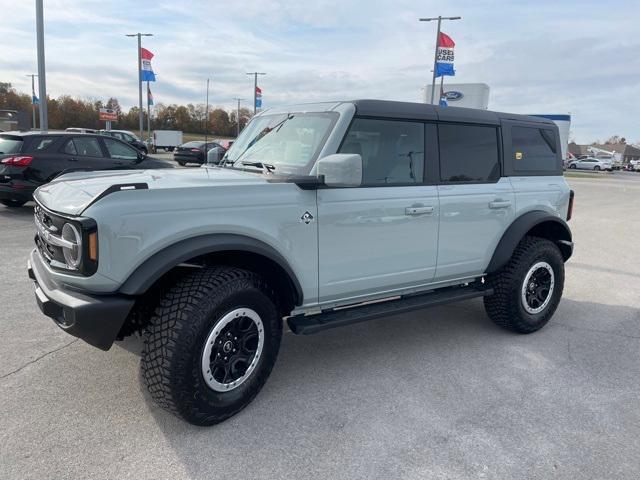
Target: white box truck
(167,139)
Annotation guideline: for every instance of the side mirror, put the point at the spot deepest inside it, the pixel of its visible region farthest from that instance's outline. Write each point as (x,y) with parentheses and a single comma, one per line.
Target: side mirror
(341,170)
(214,156)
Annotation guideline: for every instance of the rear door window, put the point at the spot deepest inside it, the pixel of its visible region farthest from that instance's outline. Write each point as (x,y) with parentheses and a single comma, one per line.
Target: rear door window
(83,146)
(468,153)
(534,149)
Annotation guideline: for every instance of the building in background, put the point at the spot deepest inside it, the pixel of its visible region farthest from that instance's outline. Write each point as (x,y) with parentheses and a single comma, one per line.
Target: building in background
(469,95)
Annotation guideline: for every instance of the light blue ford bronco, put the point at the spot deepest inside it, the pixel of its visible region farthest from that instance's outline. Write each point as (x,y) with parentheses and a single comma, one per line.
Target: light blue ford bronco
(324,215)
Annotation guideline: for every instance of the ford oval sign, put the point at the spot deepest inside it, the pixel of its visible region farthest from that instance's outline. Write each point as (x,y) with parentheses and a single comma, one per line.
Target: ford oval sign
(453,95)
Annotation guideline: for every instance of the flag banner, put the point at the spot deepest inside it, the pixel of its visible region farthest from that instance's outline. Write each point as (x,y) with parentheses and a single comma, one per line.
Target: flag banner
(149,96)
(34,100)
(258,97)
(444,62)
(147,72)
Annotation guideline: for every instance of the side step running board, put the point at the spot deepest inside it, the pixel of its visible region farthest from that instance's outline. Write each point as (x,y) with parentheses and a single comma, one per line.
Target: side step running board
(308,324)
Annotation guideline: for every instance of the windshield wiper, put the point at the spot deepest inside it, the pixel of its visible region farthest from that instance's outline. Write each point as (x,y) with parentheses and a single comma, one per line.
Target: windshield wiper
(266,167)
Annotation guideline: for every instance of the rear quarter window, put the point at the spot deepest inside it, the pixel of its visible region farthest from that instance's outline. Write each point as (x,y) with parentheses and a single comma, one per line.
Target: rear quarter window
(10,144)
(534,149)
(468,153)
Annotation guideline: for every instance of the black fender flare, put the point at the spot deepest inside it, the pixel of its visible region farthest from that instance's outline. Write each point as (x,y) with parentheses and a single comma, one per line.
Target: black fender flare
(560,234)
(146,274)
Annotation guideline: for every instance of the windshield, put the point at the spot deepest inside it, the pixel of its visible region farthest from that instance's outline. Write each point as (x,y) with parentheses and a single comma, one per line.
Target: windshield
(287,143)
(10,144)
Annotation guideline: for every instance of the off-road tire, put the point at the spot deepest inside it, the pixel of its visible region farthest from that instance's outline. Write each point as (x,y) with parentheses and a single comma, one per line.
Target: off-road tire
(175,339)
(12,203)
(505,306)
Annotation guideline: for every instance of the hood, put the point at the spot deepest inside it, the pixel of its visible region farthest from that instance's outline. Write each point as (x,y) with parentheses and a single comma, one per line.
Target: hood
(73,192)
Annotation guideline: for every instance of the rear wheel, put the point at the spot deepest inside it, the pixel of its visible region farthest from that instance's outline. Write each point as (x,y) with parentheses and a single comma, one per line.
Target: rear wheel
(182,164)
(572,166)
(12,203)
(211,344)
(528,288)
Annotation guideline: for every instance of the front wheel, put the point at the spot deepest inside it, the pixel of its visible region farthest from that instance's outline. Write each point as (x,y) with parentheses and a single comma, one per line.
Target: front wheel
(572,166)
(596,168)
(528,288)
(211,344)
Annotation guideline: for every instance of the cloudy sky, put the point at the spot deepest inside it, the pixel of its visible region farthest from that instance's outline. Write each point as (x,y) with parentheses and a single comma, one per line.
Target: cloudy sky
(549,56)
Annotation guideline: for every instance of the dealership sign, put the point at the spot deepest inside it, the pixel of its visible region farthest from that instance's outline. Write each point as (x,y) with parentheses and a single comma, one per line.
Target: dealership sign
(453,95)
(108,115)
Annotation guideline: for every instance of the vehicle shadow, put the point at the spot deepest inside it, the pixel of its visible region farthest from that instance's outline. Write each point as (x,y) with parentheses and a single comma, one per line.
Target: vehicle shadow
(369,399)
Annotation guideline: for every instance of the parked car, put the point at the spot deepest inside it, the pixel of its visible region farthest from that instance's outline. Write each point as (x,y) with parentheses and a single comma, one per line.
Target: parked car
(194,152)
(127,136)
(79,130)
(591,163)
(381,207)
(31,159)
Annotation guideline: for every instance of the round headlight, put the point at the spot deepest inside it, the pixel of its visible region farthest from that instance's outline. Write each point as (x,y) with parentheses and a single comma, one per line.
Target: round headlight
(73,254)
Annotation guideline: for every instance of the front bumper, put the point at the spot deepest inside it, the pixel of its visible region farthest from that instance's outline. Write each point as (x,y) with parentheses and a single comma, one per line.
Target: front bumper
(96,319)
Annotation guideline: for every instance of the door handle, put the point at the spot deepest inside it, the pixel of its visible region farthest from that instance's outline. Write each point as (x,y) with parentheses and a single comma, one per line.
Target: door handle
(73,159)
(418,210)
(500,204)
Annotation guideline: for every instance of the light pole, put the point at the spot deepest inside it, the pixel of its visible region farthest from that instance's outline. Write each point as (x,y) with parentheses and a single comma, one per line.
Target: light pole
(33,96)
(206,120)
(238,116)
(435,57)
(42,78)
(255,87)
(140,35)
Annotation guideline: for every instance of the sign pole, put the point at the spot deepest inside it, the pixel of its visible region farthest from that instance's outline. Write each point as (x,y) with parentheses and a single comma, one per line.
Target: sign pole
(148,114)
(140,116)
(439,18)
(435,61)
(255,88)
(42,79)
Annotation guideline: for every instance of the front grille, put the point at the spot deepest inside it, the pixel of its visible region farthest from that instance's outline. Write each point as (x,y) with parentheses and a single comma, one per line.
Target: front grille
(48,238)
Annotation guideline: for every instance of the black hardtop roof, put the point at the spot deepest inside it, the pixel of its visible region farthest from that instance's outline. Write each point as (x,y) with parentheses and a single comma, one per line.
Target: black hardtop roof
(424,111)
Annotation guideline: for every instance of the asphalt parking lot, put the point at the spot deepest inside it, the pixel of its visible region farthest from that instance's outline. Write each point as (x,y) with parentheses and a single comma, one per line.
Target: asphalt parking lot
(439,393)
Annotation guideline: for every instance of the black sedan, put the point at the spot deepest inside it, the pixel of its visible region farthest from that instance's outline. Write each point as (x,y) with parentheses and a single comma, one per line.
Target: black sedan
(31,159)
(194,152)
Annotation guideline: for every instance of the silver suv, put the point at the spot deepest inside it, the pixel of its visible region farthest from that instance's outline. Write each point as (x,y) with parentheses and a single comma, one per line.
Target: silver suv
(323,214)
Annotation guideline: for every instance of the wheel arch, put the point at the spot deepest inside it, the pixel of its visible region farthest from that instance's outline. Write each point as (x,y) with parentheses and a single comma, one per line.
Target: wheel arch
(226,249)
(536,223)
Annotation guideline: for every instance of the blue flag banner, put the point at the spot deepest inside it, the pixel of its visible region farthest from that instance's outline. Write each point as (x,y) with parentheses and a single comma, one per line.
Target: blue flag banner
(34,100)
(445,54)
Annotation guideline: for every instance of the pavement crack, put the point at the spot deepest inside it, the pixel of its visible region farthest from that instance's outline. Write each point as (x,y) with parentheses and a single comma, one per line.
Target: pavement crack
(35,360)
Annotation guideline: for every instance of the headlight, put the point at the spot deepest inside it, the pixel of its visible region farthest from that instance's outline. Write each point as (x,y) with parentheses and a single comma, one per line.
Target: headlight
(73,251)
